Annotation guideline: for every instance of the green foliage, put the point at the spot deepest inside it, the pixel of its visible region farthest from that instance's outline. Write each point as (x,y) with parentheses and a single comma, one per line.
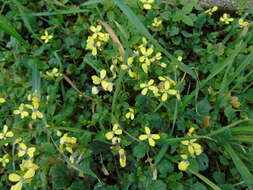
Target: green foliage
(113,94)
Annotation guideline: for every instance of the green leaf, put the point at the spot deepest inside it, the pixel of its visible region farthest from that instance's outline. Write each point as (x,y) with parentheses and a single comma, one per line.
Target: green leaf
(7,27)
(60,176)
(157,185)
(242,169)
(140,150)
(204,107)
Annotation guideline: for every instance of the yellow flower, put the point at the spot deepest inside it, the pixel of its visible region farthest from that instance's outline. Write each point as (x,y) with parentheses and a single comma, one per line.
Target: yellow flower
(54,73)
(116,140)
(6,134)
(211,10)
(28,164)
(107,86)
(148,86)
(2,100)
(67,140)
(166,91)
(92,45)
(122,158)
(147,4)
(167,79)
(226,18)
(115,131)
(96,31)
(243,23)
(46,37)
(156,22)
(130,114)
(21,110)
(183,165)
(149,136)
(13,177)
(179,58)
(145,58)
(22,150)
(4,160)
(128,67)
(193,148)
(36,113)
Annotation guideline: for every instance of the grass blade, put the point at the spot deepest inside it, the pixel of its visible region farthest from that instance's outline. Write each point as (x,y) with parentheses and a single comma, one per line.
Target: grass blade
(92,2)
(242,169)
(6,26)
(204,179)
(23,16)
(140,27)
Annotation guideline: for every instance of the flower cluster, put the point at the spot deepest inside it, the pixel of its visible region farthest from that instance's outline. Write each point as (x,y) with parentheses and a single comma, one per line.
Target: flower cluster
(128,66)
(111,135)
(190,149)
(163,89)
(146,55)
(24,109)
(24,175)
(96,40)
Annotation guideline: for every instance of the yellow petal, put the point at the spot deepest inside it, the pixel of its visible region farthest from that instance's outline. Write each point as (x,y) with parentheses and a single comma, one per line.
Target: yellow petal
(144,91)
(183,165)
(186,142)
(118,132)
(109,135)
(105,85)
(197,148)
(14,177)
(164,97)
(17,186)
(145,67)
(147,130)
(9,134)
(29,174)
(151,142)
(95,79)
(123,67)
(40,115)
(122,158)
(31,151)
(2,100)
(172,92)
(191,150)
(16,112)
(143,137)
(155,136)
(103,74)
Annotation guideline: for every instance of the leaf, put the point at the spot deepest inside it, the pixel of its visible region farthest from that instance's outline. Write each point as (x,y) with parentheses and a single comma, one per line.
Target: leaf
(60,176)
(204,107)
(140,150)
(7,27)
(242,169)
(157,185)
